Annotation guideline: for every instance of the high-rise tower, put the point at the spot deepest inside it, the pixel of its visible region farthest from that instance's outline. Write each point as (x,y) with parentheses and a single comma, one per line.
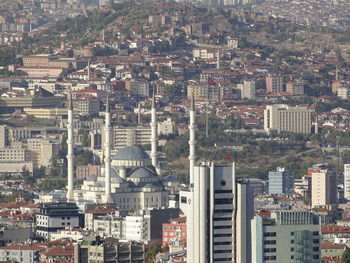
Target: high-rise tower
(107,160)
(218,209)
(192,141)
(70,154)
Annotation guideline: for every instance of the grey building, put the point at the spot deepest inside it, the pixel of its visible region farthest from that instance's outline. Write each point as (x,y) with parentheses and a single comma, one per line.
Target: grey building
(56,216)
(281,182)
(288,236)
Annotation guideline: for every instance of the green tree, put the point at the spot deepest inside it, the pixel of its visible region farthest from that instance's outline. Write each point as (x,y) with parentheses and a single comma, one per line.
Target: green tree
(346,256)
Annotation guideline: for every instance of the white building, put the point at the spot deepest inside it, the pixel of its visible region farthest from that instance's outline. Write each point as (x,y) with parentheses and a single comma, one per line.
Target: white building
(286,118)
(347,181)
(247,89)
(218,210)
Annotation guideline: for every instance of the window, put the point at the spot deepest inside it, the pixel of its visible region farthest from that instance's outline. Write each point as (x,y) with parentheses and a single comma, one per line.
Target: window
(183,199)
(270,234)
(270,258)
(315,257)
(292,241)
(316,249)
(270,250)
(315,233)
(63,223)
(316,241)
(270,242)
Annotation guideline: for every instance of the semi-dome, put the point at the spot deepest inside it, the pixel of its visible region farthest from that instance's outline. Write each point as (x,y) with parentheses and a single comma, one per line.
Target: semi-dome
(113,173)
(131,153)
(142,173)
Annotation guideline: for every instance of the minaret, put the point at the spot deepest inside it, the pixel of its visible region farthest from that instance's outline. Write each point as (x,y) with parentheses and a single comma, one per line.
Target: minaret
(107,160)
(192,141)
(70,155)
(154,137)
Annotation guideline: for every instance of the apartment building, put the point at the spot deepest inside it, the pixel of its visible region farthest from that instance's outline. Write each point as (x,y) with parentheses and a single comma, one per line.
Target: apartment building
(286,236)
(274,84)
(285,118)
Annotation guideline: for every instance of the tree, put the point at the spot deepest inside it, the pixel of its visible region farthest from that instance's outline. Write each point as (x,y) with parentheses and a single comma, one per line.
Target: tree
(345,258)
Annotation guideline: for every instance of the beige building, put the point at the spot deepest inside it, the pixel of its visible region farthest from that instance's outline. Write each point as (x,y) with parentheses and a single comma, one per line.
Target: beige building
(247,89)
(166,127)
(204,92)
(323,188)
(86,106)
(286,118)
(343,92)
(295,87)
(47,113)
(40,151)
(128,136)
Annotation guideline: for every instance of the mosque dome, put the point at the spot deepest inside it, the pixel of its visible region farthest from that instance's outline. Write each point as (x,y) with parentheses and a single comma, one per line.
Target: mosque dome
(131,156)
(142,173)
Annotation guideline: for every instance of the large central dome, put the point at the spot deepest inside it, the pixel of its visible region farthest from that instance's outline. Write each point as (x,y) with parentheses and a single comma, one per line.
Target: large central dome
(131,156)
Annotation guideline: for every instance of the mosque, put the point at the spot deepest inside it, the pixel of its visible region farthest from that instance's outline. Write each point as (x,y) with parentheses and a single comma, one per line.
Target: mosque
(131,178)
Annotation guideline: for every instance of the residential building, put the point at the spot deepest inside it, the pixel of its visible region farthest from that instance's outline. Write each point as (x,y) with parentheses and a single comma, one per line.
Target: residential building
(218,209)
(343,92)
(137,87)
(18,253)
(323,188)
(286,236)
(281,182)
(166,127)
(347,181)
(295,87)
(286,118)
(86,106)
(174,232)
(128,136)
(274,84)
(84,171)
(57,216)
(247,89)
(108,250)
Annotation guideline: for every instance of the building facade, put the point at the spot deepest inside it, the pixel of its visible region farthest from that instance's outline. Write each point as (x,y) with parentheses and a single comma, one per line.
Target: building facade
(286,236)
(323,188)
(285,118)
(281,182)
(218,208)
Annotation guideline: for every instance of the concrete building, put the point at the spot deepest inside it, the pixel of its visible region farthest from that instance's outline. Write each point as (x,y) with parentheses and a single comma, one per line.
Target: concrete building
(295,87)
(204,92)
(323,188)
(286,236)
(281,182)
(57,216)
(128,136)
(174,232)
(218,209)
(108,250)
(343,93)
(166,127)
(347,181)
(86,107)
(18,253)
(274,84)
(47,113)
(285,118)
(40,151)
(247,89)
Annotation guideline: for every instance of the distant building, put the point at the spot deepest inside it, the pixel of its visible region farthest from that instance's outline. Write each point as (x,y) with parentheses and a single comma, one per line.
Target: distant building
(57,216)
(343,93)
(247,89)
(286,118)
(86,107)
(166,127)
(286,236)
(274,84)
(108,250)
(323,188)
(295,87)
(128,136)
(347,181)
(174,232)
(281,182)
